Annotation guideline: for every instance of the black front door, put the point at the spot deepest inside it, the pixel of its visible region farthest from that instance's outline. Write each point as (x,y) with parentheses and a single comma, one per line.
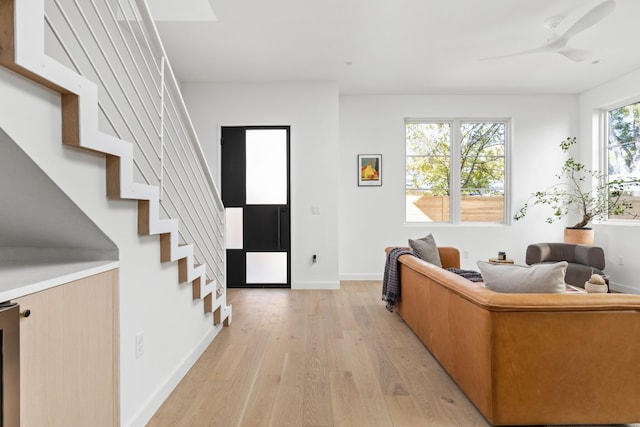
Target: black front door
(255,193)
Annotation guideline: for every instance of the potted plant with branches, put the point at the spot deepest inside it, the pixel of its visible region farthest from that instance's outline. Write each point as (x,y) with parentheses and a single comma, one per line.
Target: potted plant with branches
(584,192)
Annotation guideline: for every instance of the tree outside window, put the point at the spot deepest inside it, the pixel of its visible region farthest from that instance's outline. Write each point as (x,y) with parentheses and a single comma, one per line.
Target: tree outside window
(623,153)
(466,187)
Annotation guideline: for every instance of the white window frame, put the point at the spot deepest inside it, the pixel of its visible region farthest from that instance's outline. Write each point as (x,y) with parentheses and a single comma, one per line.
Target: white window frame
(455,190)
(603,153)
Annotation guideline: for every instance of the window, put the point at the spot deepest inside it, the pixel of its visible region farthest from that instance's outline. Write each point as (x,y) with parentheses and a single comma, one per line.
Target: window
(623,154)
(456,170)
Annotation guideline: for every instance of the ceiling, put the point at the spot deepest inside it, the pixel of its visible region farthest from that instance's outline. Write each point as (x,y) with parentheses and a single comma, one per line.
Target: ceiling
(400,46)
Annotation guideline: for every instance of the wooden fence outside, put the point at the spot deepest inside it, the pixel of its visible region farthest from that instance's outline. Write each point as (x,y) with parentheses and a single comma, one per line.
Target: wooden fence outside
(487,208)
(473,208)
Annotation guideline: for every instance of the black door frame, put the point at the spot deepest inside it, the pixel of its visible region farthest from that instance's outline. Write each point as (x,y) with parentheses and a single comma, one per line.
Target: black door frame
(237,257)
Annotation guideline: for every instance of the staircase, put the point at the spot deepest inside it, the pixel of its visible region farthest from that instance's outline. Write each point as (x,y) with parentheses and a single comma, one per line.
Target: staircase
(150,170)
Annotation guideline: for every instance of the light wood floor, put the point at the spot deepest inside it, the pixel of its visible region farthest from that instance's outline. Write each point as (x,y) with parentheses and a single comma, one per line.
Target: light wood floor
(316,358)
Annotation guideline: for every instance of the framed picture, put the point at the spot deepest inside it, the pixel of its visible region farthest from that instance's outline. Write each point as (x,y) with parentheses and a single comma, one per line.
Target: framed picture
(369,170)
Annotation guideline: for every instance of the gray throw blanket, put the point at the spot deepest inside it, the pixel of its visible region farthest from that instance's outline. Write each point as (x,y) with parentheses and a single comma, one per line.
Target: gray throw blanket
(472,275)
(391,278)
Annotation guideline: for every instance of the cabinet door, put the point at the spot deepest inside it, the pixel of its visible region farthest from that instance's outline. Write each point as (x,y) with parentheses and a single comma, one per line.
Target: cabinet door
(69,354)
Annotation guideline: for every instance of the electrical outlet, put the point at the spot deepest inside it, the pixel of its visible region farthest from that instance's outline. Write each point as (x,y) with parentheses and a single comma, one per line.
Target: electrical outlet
(465,254)
(139,344)
(621,261)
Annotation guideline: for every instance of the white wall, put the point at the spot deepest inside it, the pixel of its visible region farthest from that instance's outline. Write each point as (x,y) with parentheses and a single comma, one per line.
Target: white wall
(372,218)
(175,329)
(311,109)
(56,223)
(618,240)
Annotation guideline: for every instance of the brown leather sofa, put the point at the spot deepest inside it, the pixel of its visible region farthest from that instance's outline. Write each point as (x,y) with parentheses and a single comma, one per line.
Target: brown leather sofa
(527,359)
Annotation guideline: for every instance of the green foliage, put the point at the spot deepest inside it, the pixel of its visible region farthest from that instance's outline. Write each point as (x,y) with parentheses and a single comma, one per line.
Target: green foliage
(482,156)
(624,129)
(428,167)
(598,202)
(429,158)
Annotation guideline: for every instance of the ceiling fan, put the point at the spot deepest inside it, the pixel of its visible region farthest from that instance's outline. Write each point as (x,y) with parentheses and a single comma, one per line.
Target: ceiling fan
(558,43)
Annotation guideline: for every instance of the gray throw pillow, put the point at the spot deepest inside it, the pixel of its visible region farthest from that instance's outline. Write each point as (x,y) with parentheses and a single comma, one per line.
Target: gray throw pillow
(537,279)
(427,249)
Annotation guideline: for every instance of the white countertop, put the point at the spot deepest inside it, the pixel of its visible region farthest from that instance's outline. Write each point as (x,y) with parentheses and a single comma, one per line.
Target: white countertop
(21,277)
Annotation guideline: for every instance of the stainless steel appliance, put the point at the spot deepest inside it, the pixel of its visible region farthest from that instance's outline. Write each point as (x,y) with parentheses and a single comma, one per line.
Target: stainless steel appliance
(10,364)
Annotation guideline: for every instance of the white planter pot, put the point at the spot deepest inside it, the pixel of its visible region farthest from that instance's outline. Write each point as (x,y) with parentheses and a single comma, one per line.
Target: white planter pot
(595,289)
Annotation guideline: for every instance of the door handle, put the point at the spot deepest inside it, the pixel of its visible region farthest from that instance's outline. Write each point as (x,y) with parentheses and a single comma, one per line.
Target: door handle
(281,210)
(279,234)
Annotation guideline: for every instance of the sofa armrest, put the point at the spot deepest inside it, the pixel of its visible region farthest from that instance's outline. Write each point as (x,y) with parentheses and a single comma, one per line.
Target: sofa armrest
(534,254)
(449,257)
(592,256)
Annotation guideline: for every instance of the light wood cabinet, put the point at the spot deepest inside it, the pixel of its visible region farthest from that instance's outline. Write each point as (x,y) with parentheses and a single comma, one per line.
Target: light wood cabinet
(69,354)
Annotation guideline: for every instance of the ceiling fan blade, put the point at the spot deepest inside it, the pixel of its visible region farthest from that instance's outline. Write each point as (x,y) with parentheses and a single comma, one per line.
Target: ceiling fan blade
(577,55)
(589,19)
(524,52)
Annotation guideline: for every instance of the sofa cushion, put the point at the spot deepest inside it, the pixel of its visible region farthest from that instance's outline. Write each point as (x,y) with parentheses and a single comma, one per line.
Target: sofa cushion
(537,279)
(427,249)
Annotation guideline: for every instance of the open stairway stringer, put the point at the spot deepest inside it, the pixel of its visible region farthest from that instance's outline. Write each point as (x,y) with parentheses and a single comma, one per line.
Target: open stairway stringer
(22,50)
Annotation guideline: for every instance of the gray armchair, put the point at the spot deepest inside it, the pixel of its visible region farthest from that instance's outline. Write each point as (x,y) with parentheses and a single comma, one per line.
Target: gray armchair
(582,259)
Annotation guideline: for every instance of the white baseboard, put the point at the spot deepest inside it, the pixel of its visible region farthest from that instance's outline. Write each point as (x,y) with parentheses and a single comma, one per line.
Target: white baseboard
(360,277)
(315,285)
(624,289)
(149,408)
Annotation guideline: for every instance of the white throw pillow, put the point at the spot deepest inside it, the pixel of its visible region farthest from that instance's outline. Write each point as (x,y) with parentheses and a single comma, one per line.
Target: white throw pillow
(537,279)
(427,249)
